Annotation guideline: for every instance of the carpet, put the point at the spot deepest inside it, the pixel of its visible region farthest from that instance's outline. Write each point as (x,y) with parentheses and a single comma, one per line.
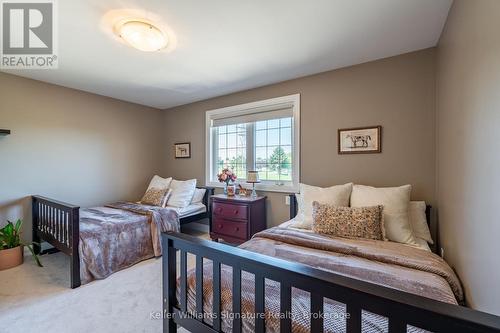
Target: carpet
(34,299)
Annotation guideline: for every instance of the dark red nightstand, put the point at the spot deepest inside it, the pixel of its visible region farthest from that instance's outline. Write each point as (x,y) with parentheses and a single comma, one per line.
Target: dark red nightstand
(236,219)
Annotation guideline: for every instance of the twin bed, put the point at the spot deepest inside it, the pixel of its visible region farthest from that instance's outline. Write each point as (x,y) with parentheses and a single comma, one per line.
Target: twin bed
(103,240)
(288,280)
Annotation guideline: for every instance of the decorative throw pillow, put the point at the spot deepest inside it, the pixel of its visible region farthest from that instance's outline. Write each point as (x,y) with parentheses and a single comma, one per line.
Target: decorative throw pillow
(396,201)
(337,195)
(349,222)
(418,221)
(156,197)
(182,193)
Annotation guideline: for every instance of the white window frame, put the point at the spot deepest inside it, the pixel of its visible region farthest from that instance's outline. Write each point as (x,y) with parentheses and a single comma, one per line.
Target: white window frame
(292,101)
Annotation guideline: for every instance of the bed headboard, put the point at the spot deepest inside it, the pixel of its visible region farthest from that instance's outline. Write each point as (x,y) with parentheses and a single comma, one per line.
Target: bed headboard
(430,213)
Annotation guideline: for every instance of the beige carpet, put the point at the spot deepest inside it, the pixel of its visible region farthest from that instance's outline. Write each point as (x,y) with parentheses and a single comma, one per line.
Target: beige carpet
(34,299)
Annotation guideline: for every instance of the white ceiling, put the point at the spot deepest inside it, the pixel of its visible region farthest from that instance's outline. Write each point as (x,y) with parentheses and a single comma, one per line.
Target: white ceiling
(224,46)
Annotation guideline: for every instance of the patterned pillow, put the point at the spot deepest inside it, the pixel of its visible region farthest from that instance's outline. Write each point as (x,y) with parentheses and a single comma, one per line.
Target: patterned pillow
(156,197)
(349,222)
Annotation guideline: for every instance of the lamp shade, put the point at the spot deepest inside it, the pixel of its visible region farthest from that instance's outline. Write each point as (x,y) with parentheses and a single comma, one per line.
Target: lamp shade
(253,177)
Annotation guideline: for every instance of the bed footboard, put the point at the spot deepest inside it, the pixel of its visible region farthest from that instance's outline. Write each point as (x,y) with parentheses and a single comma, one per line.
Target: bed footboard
(57,223)
(401,309)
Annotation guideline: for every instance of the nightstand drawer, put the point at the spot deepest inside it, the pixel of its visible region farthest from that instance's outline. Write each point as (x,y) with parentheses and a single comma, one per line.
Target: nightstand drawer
(230,210)
(229,228)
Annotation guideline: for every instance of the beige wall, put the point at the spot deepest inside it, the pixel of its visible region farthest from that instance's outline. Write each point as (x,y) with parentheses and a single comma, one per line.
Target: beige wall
(468,164)
(72,146)
(87,149)
(397,93)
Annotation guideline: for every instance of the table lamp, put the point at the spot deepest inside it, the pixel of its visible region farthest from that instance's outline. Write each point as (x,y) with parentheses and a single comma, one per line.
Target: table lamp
(253,178)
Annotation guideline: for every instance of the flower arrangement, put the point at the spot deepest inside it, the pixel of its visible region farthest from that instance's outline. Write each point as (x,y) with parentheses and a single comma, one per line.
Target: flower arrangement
(226,176)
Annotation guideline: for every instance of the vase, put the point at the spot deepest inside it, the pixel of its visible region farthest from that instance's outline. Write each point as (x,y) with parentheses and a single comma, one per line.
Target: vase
(11,257)
(229,189)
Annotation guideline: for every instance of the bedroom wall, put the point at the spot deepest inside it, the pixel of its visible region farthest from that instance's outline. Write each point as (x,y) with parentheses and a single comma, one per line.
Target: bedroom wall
(73,146)
(397,93)
(468,158)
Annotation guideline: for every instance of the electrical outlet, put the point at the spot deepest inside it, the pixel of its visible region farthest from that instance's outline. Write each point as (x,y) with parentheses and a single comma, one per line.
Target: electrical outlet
(442,252)
(287,200)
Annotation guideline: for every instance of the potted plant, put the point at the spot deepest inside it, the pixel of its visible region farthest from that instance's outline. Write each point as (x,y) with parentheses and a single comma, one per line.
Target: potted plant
(11,248)
(227,176)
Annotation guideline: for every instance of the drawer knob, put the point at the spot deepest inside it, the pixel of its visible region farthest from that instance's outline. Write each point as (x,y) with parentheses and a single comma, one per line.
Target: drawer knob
(237,228)
(220,226)
(236,212)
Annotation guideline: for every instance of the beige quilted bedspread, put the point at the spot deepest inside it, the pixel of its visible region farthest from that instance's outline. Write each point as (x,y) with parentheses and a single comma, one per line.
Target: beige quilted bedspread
(386,263)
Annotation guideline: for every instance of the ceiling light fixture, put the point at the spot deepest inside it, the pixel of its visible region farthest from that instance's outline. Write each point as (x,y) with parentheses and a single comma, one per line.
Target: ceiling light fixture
(142,35)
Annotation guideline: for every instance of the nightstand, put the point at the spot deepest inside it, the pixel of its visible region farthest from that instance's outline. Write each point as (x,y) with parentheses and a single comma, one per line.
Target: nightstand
(236,219)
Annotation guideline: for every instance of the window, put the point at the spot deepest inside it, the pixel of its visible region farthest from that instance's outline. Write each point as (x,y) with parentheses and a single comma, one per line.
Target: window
(232,148)
(262,136)
(273,149)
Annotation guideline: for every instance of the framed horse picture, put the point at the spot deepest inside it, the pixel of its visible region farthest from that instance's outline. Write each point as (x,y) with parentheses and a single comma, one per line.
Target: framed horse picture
(182,150)
(360,140)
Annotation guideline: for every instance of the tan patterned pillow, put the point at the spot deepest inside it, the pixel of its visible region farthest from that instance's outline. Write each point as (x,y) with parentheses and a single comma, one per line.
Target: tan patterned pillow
(156,197)
(349,222)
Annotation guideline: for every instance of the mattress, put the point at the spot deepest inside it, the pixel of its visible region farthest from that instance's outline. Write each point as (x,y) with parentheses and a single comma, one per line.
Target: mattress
(190,210)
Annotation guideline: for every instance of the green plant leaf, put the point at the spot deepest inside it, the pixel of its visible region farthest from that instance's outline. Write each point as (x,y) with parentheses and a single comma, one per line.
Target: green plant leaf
(18,225)
(35,257)
(9,229)
(9,237)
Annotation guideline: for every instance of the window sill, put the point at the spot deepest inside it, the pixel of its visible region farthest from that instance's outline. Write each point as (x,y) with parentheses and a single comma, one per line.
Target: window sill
(262,187)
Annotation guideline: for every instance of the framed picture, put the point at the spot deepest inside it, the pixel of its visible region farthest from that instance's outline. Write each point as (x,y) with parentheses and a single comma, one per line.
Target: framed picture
(182,150)
(360,140)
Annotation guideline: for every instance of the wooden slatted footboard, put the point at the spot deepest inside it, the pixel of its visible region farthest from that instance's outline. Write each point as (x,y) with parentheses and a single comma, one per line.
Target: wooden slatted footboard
(403,310)
(58,224)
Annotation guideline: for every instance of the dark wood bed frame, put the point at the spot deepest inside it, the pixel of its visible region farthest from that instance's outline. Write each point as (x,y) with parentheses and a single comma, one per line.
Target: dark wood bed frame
(58,223)
(401,308)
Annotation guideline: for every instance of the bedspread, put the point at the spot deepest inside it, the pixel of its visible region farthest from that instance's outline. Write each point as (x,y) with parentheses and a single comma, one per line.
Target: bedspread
(120,235)
(385,263)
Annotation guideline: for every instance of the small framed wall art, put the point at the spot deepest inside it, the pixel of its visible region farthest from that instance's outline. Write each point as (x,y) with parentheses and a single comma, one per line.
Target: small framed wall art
(182,150)
(360,140)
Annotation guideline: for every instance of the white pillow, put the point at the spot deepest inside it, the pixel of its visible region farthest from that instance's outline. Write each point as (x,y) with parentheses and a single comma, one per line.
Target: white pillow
(198,196)
(418,221)
(422,244)
(182,193)
(396,201)
(337,195)
(159,182)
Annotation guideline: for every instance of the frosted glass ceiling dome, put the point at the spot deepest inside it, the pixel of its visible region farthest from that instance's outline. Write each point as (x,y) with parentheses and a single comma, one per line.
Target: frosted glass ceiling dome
(142,35)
